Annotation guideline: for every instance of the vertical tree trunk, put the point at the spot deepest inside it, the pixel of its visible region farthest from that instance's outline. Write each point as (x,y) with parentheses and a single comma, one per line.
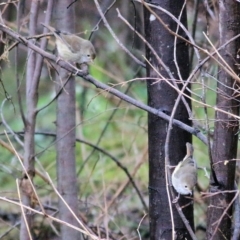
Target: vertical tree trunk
(225,138)
(161,96)
(66,165)
(31,103)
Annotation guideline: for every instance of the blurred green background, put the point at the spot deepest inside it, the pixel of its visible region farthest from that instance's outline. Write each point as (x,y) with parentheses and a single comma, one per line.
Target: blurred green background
(101,181)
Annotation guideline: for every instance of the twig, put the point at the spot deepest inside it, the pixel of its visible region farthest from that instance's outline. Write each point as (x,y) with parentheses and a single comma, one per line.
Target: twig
(167,161)
(71,3)
(100,20)
(50,217)
(170,74)
(103,132)
(236,231)
(26,172)
(210,55)
(43,45)
(115,92)
(56,96)
(224,64)
(180,24)
(194,27)
(194,100)
(209,11)
(105,153)
(125,184)
(115,37)
(11,150)
(224,212)
(7,96)
(166,147)
(7,126)
(148,45)
(10,229)
(68,207)
(177,65)
(139,225)
(115,160)
(22,209)
(185,221)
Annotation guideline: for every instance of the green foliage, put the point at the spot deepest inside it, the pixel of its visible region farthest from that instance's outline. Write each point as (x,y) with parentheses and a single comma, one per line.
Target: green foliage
(100,178)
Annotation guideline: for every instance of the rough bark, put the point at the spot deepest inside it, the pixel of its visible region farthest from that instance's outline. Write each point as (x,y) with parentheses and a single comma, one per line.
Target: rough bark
(66,165)
(161,96)
(225,138)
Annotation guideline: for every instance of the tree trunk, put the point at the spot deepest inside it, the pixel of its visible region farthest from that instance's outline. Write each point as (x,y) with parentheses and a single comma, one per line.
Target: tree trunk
(30,123)
(226,127)
(161,96)
(66,165)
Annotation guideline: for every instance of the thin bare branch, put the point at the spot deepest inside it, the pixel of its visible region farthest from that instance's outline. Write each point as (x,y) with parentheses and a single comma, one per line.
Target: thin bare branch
(111,90)
(23,212)
(101,19)
(94,237)
(114,35)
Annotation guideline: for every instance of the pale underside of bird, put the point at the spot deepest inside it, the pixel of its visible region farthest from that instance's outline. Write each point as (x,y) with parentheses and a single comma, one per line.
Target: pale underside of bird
(184,177)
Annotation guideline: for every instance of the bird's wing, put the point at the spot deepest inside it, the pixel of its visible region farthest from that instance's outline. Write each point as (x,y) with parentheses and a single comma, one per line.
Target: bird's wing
(77,43)
(67,39)
(64,37)
(176,170)
(190,149)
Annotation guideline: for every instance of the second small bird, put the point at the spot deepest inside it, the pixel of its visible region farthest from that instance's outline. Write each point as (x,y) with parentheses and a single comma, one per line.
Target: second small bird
(184,176)
(73,48)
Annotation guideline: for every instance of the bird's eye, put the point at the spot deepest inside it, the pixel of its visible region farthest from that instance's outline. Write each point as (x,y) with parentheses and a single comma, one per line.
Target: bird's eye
(88,55)
(185,186)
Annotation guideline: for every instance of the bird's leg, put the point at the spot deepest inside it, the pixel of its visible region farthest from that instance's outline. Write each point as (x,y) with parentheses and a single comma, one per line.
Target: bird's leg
(77,70)
(175,200)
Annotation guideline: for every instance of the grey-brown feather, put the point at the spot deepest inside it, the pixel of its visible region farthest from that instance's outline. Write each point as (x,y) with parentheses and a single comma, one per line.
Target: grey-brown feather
(73,48)
(184,177)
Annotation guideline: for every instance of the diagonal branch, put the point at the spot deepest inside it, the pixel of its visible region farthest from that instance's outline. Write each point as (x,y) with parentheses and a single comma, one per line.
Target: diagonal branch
(115,92)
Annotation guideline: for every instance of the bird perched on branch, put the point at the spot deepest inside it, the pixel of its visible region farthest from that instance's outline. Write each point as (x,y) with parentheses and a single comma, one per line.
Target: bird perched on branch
(73,48)
(184,176)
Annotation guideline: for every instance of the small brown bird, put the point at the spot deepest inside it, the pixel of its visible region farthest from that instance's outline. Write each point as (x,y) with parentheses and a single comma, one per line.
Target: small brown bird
(184,176)
(73,48)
